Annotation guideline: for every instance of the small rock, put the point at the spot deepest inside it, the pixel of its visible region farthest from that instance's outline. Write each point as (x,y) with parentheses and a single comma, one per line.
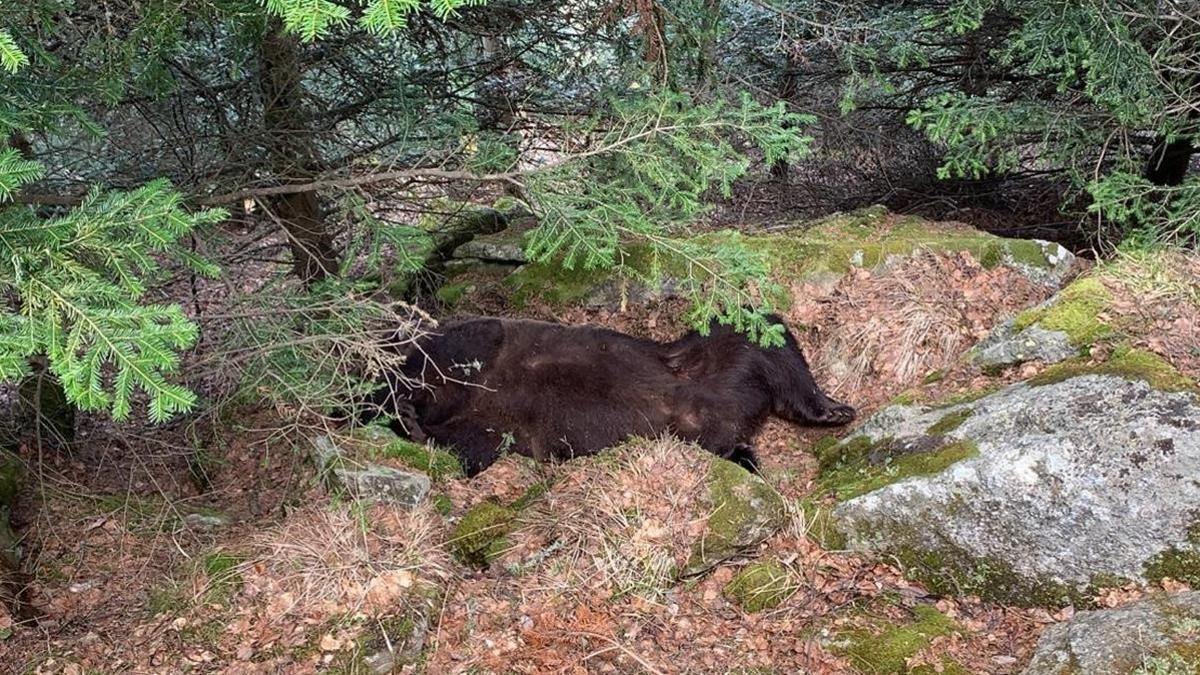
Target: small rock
(205,522)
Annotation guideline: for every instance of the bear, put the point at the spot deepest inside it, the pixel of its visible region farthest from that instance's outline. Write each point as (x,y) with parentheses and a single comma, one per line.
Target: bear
(482,386)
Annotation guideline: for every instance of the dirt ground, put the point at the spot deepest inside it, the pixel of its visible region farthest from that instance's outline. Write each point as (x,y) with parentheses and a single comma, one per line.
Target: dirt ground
(122,578)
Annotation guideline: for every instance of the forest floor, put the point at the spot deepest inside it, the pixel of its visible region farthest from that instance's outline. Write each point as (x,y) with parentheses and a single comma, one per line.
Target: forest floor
(126,578)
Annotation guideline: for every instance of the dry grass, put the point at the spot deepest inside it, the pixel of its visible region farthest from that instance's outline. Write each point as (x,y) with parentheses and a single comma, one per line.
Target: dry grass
(888,329)
(350,558)
(1159,276)
(621,525)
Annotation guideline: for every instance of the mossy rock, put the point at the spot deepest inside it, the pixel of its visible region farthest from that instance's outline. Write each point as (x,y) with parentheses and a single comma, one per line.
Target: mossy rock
(745,511)
(859,465)
(760,585)
(376,442)
(884,648)
(820,252)
(1129,363)
(482,534)
(1076,311)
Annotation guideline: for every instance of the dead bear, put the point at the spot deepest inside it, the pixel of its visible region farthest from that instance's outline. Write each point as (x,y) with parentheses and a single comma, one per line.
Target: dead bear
(553,392)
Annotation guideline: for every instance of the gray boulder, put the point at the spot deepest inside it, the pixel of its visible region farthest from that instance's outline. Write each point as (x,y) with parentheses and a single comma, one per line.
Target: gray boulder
(1007,346)
(365,480)
(1075,483)
(1160,634)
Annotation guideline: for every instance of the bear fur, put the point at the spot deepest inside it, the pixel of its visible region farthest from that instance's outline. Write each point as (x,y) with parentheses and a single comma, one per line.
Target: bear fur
(552,391)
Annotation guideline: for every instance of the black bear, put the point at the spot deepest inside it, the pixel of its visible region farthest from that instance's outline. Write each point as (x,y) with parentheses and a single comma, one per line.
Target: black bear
(552,391)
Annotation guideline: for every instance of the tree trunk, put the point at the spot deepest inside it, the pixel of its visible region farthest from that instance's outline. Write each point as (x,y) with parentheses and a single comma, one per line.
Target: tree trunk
(293,155)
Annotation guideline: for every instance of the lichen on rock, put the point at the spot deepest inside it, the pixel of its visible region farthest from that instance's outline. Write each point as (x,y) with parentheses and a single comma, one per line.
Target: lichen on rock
(1140,638)
(1069,485)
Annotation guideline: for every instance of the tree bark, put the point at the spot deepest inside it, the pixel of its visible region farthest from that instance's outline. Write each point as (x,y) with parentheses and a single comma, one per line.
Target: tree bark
(293,155)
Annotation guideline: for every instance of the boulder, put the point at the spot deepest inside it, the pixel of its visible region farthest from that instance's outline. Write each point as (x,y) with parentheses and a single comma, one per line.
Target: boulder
(1007,346)
(366,480)
(1159,634)
(1035,493)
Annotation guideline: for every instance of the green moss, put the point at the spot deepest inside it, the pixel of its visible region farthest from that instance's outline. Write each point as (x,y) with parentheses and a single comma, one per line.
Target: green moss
(949,422)
(1175,563)
(907,397)
(442,504)
(744,510)
(761,585)
(376,442)
(934,377)
(224,577)
(481,536)
(947,570)
(451,294)
(885,648)
(1131,364)
(863,466)
(1075,312)
(829,247)
(948,666)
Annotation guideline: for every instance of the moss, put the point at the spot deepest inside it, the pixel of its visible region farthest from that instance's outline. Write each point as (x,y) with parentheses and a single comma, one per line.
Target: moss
(934,377)
(819,525)
(947,666)
(224,577)
(1174,563)
(761,585)
(481,536)
(376,442)
(1131,364)
(1075,312)
(949,422)
(452,294)
(907,397)
(886,648)
(947,570)
(744,510)
(442,504)
(864,466)
(865,238)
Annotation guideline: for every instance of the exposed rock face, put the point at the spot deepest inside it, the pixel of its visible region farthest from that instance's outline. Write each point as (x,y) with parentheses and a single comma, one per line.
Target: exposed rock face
(1085,480)
(1008,346)
(1159,630)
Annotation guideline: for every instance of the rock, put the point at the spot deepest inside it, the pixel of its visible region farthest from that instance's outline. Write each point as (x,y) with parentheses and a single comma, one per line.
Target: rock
(1055,265)
(1057,485)
(493,249)
(1143,637)
(745,512)
(366,480)
(206,521)
(1006,346)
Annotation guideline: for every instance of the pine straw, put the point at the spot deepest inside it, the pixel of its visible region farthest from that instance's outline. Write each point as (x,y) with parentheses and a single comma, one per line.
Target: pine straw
(889,328)
(348,559)
(617,525)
